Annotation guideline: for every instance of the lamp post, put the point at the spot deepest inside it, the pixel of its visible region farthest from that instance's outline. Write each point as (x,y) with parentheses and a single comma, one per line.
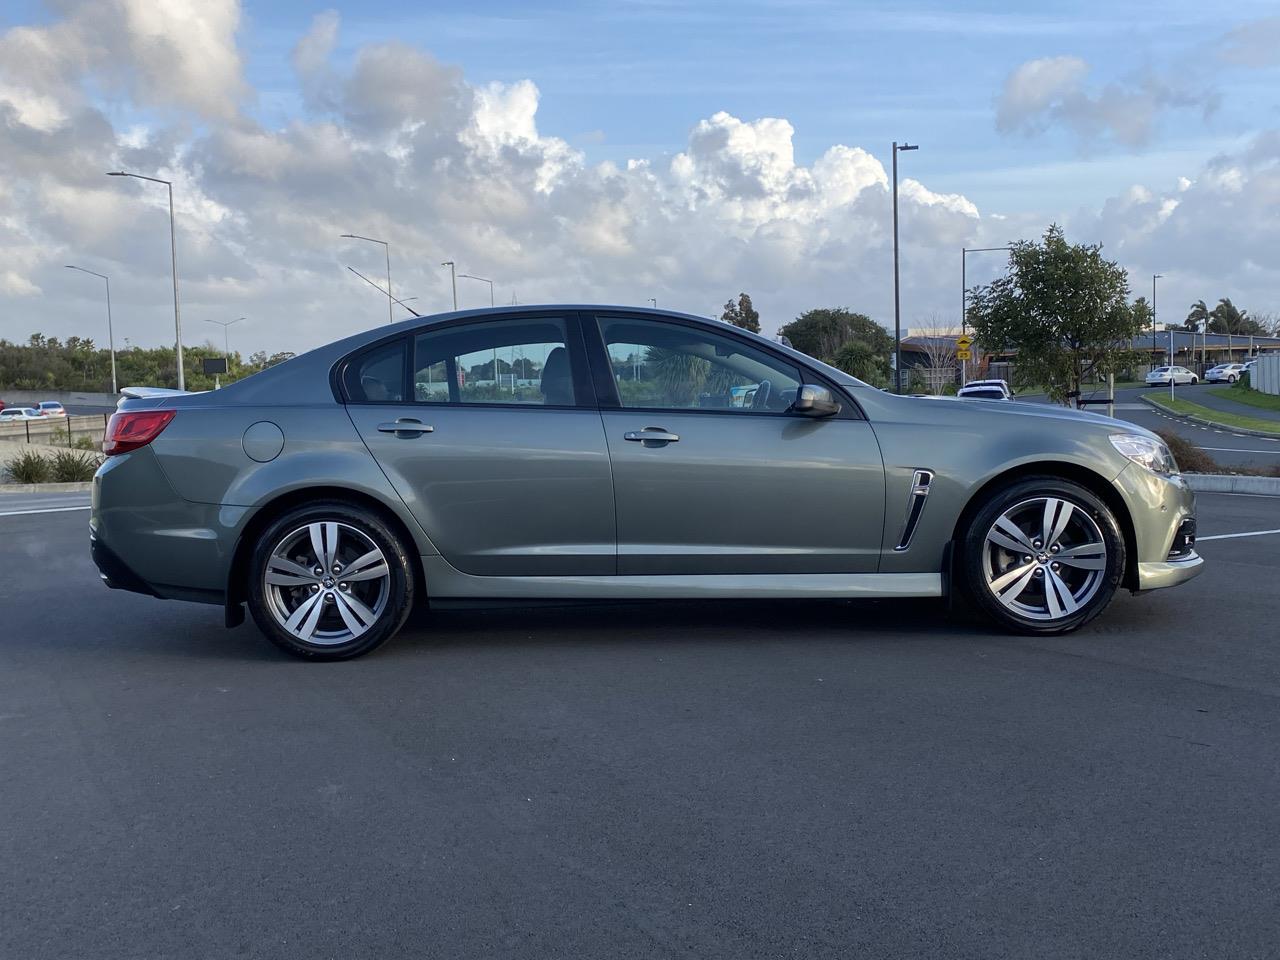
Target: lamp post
(386,248)
(470,276)
(654,301)
(964,297)
(111,337)
(173,255)
(897,306)
(226,337)
(453,279)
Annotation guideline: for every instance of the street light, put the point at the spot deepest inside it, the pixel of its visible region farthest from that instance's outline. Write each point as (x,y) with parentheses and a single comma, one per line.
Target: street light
(173,254)
(469,276)
(964,298)
(654,301)
(226,337)
(453,279)
(897,307)
(386,248)
(111,337)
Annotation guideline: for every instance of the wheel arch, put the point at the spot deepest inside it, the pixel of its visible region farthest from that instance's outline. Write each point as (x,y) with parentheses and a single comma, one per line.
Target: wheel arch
(1093,482)
(266,513)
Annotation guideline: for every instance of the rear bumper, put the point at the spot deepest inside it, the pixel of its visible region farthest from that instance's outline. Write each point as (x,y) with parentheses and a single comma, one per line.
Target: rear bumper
(115,573)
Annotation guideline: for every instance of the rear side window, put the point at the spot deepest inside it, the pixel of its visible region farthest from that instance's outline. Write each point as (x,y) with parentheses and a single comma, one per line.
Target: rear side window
(376,376)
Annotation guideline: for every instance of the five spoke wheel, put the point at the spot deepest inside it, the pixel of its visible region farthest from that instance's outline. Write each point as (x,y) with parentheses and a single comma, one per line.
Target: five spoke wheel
(326,583)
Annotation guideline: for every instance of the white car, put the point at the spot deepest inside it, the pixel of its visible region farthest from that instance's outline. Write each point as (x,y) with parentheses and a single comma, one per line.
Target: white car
(1162,375)
(1001,385)
(14,414)
(50,408)
(983,390)
(1229,372)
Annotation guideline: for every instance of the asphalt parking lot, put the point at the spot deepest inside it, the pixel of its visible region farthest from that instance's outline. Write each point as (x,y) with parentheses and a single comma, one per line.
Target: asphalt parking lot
(675,780)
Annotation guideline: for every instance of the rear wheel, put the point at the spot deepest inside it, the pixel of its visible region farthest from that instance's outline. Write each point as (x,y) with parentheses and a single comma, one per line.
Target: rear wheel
(1231,378)
(329,581)
(1043,556)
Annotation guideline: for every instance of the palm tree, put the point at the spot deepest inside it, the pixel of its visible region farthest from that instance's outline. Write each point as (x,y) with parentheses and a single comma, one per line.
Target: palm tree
(1198,317)
(1228,318)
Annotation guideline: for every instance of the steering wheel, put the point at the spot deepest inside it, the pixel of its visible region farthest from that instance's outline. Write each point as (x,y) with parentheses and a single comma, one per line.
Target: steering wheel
(761,399)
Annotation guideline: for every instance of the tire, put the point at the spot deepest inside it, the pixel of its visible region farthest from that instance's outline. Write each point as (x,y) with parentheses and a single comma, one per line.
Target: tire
(322,616)
(1194,381)
(1231,379)
(1046,595)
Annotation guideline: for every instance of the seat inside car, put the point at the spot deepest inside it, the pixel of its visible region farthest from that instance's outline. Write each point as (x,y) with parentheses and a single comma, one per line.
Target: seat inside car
(557,379)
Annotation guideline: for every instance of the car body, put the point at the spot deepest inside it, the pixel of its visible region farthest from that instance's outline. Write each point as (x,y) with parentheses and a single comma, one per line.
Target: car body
(1225,372)
(50,408)
(1179,375)
(618,453)
(13,414)
(1001,385)
(979,391)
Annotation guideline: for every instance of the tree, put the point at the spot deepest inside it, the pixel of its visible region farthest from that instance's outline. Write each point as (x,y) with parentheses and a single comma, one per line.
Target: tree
(938,344)
(859,360)
(1228,318)
(741,314)
(1063,309)
(823,332)
(1197,317)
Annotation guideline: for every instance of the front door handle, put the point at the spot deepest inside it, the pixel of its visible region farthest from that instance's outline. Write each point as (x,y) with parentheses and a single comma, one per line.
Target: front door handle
(406,427)
(657,436)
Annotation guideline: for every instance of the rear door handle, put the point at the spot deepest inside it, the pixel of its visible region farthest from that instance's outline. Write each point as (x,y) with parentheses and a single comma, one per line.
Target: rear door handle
(656,435)
(406,427)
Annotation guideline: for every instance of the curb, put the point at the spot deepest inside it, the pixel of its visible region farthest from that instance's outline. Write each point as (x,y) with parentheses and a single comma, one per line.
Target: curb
(46,487)
(1265,434)
(1230,483)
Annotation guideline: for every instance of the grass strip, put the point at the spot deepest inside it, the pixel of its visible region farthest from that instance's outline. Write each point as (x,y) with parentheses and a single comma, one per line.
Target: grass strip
(1253,398)
(1187,408)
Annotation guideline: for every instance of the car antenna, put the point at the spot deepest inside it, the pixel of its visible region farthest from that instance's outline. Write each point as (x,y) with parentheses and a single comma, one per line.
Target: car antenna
(383,292)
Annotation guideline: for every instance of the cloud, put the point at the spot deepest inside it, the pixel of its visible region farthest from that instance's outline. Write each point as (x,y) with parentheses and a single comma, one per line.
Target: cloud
(1051,91)
(1255,44)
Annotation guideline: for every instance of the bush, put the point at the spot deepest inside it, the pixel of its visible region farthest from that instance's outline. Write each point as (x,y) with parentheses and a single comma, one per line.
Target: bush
(28,467)
(68,466)
(1191,459)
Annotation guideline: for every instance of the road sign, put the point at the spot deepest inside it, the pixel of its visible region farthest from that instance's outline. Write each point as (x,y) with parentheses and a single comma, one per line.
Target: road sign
(964,355)
(964,343)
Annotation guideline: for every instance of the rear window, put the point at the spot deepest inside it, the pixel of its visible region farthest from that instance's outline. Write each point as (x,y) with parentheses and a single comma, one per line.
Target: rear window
(986,393)
(377,375)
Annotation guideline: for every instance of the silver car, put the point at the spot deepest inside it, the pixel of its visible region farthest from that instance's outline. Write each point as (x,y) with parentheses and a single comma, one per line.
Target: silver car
(608,452)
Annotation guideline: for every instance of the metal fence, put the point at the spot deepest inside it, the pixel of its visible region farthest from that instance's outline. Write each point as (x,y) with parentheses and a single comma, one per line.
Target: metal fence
(56,431)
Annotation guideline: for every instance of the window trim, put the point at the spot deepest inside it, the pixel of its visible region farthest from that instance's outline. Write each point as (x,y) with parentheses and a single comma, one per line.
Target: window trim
(607,389)
(579,367)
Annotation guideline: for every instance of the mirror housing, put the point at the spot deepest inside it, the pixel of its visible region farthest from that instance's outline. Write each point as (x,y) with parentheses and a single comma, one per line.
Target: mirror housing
(814,401)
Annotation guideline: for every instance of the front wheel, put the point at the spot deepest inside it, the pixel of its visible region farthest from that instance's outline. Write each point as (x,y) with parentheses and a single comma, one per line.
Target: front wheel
(329,581)
(1231,379)
(1194,381)
(1043,556)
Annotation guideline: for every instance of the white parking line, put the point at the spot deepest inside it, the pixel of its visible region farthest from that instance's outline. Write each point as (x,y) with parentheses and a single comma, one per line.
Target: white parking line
(1232,536)
(23,513)
(1267,453)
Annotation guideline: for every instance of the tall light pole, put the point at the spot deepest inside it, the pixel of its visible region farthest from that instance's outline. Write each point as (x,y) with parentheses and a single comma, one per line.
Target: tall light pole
(654,301)
(173,255)
(111,337)
(453,279)
(897,305)
(1172,378)
(386,248)
(226,337)
(470,276)
(964,297)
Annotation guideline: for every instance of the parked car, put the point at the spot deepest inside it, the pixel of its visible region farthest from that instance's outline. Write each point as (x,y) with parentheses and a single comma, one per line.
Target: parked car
(1003,386)
(9,414)
(50,408)
(329,494)
(1180,375)
(978,391)
(1225,372)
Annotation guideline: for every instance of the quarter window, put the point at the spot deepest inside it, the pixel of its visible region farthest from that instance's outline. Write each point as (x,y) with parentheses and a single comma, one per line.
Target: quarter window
(671,366)
(377,376)
(518,361)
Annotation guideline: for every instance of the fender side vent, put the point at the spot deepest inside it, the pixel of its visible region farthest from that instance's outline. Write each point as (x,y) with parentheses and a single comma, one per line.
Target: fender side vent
(921,482)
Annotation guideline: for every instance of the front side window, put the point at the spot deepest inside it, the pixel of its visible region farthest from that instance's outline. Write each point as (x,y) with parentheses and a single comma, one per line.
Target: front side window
(518,361)
(671,366)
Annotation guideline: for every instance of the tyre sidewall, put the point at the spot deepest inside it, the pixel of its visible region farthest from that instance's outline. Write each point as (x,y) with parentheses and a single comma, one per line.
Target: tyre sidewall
(399,600)
(973,544)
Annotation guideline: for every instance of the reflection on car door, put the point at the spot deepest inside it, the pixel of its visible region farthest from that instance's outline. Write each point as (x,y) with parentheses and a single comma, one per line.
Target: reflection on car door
(713,476)
(488,446)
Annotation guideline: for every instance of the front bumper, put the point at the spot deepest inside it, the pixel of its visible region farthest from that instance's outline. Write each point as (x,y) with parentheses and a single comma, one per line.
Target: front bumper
(1163,510)
(1169,573)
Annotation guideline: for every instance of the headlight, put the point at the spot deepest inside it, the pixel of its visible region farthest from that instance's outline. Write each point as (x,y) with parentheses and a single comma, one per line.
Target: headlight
(1152,454)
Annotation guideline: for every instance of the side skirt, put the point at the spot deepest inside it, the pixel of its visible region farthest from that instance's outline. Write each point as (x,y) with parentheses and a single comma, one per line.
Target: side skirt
(444,581)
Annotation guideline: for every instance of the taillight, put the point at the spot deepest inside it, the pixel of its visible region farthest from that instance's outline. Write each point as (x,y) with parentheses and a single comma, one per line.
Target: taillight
(129,430)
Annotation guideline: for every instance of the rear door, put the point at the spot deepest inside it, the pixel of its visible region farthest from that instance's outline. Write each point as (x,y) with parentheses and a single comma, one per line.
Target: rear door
(488,430)
(712,473)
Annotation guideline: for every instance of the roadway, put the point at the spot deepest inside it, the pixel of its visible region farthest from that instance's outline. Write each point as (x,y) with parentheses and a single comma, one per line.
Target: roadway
(804,779)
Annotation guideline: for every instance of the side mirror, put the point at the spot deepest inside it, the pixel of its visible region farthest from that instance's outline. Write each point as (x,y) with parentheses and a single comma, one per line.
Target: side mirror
(815,401)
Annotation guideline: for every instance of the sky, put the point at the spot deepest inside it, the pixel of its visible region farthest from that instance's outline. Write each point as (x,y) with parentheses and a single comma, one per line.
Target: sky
(614,152)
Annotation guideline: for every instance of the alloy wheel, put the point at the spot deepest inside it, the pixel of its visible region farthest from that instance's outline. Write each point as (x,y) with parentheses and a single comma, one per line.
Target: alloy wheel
(1044,558)
(326,583)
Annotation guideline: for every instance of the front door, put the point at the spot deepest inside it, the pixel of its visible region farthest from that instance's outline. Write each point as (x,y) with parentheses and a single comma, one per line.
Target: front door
(492,439)
(713,475)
